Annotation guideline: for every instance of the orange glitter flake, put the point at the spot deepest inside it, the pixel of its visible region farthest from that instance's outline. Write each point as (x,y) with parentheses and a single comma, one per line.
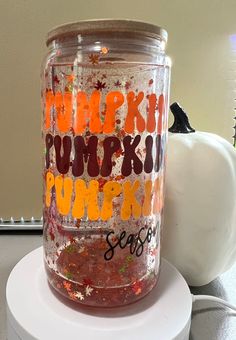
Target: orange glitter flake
(138,291)
(137,288)
(70,77)
(94,59)
(104,50)
(72,296)
(67,285)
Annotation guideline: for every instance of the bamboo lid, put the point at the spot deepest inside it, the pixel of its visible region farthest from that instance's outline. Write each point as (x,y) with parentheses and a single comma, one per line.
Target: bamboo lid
(87,27)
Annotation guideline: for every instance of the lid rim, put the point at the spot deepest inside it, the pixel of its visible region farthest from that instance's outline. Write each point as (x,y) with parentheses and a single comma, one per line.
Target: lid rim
(86,27)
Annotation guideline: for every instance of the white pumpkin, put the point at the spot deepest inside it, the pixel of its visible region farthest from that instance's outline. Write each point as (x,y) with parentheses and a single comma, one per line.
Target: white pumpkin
(199,233)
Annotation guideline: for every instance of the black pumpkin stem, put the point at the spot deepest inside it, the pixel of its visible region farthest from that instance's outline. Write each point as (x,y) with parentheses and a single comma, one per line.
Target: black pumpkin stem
(181,123)
(234,136)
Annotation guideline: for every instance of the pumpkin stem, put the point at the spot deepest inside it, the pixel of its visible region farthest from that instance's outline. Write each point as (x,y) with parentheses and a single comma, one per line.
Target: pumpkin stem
(181,123)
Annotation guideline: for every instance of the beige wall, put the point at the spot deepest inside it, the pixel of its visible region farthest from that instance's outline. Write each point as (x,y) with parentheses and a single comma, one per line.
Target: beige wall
(203,76)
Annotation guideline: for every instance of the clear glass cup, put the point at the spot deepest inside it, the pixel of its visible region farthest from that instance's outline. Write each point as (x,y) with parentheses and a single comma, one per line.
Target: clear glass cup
(105,89)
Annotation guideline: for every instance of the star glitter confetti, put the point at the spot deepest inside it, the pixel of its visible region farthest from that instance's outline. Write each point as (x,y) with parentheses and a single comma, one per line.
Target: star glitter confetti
(101,182)
(150,82)
(127,85)
(122,269)
(72,296)
(104,50)
(94,59)
(67,285)
(79,296)
(99,85)
(56,79)
(137,288)
(117,83)
(70,77)
(69,88)
(69,275)
(88,290)
(71,249)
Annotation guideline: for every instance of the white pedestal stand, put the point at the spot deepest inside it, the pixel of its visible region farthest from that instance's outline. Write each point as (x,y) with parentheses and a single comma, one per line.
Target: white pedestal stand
(34,312)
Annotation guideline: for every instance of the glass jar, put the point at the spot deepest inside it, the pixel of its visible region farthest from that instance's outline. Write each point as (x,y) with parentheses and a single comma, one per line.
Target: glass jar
(105,88)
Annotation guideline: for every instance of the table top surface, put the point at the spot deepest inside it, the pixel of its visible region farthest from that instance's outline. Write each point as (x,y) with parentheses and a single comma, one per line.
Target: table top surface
(208,322)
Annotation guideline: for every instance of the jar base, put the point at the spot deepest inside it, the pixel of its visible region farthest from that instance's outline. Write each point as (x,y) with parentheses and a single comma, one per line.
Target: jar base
(80,273)
(92,296)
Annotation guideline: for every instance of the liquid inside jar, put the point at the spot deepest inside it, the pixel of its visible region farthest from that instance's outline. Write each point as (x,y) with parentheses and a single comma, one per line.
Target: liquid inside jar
(82,274)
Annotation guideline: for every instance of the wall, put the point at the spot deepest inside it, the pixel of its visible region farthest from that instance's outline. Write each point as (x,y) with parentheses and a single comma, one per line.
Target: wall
(201,44)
